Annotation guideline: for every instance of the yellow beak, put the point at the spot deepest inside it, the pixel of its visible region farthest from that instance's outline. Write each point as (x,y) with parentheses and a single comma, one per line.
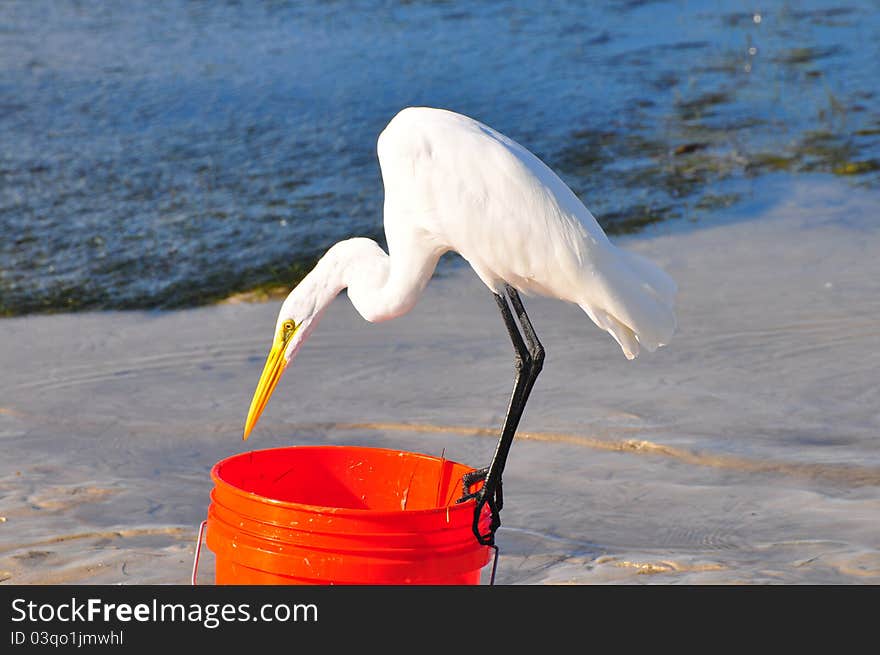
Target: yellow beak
(272,371)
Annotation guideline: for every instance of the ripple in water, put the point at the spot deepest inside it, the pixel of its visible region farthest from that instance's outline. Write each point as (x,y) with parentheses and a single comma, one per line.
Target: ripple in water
(171,154)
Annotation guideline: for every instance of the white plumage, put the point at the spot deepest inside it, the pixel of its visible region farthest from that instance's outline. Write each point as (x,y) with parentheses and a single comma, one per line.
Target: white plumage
(452,183)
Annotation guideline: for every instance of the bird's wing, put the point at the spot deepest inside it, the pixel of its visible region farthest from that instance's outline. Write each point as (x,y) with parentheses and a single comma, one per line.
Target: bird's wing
(479,193)
(461,184)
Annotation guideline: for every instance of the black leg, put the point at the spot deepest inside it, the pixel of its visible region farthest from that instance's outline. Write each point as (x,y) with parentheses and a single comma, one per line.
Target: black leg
(536,350)
(529,359)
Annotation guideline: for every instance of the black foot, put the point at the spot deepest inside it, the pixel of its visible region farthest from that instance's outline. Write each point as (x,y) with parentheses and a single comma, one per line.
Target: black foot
(468,480)
(493,498)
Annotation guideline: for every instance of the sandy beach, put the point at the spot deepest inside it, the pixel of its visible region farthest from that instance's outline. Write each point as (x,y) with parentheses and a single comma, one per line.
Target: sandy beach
(746,451)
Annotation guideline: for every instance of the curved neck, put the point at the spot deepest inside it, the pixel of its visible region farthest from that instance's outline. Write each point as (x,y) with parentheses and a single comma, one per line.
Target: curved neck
(379,286)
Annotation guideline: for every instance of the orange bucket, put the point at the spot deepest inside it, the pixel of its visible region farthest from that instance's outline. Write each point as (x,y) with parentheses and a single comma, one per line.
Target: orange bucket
(342,515)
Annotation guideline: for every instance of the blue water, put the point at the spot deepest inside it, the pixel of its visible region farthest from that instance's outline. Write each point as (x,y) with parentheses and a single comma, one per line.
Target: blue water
(170,153)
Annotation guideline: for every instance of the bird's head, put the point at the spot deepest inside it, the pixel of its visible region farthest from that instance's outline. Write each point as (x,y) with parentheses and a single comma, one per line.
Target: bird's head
(295,322)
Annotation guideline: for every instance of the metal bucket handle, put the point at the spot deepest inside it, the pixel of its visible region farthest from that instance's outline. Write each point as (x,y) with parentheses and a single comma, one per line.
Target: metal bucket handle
(195,571)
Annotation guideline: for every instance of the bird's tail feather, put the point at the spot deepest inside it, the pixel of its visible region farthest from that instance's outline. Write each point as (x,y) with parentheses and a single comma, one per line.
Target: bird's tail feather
(633,300)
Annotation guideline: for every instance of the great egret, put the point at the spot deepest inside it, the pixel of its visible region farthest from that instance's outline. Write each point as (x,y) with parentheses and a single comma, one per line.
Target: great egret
(452,183)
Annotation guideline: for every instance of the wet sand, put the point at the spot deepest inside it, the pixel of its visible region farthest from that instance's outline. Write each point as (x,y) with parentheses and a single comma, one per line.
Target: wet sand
(746,451)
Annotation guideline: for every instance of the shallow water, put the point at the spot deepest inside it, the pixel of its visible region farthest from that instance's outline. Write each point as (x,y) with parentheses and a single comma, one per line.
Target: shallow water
(166,154)
(745,451)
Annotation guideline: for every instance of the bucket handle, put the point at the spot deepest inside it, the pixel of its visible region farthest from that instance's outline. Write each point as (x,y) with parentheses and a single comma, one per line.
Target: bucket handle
(494,564)
(195,571)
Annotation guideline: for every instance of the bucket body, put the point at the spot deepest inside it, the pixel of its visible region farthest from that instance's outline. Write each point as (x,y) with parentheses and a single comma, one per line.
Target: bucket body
(342,515)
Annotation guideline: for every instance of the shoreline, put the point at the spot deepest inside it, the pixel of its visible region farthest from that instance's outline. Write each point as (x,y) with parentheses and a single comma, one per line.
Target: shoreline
(113,419)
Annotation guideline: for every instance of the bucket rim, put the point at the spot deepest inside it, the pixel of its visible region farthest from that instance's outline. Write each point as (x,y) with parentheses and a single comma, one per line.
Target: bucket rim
(335,511)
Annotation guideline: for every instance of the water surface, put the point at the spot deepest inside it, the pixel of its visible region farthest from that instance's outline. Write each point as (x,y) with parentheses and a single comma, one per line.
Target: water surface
(168,154)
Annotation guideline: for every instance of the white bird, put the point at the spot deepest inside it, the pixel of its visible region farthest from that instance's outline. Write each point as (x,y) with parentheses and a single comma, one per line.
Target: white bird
(452,183)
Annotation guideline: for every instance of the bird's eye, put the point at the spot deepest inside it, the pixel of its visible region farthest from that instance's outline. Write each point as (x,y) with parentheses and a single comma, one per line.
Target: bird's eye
(287,327)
